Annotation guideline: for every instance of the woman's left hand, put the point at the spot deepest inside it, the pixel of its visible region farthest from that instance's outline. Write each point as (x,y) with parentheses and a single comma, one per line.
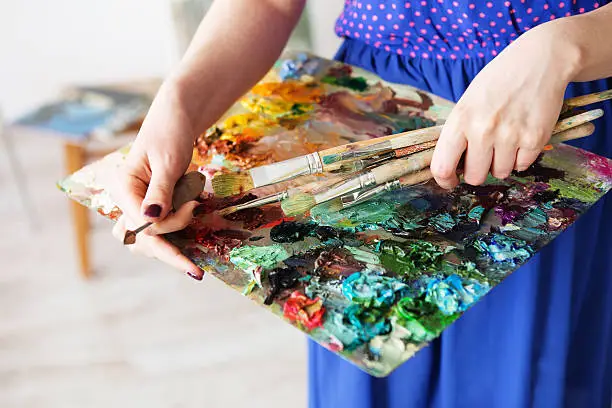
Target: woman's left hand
(507,114)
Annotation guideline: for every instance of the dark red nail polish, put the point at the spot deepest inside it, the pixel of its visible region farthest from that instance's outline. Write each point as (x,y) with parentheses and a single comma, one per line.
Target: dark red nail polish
(194,276)
(153,211)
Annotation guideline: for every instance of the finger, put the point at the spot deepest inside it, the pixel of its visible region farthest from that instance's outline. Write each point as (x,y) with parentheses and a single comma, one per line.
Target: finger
(119,229)
(169,254)
(525,158)
(478,157)
(504,157)
(130,195)
(174,221)
(448,151)
(157,202)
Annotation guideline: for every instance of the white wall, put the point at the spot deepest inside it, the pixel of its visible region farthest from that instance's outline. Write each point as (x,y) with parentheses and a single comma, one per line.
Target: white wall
(46,44)
(322,16)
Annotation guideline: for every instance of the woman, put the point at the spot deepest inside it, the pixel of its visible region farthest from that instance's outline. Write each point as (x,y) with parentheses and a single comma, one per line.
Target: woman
(541,339)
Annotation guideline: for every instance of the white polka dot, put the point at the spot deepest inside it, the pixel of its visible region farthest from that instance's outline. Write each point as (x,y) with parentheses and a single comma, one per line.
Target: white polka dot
(374,17)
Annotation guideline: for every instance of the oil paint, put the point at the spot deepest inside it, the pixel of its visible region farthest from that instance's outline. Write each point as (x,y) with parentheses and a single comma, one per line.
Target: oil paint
(377,281)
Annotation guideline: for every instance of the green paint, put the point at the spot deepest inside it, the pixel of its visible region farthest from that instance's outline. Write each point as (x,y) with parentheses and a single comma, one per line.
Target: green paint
(359,217)
(249,258)
(443,222)
(410,259)
(423,320)
(363,256)
(575,189)
(355,83)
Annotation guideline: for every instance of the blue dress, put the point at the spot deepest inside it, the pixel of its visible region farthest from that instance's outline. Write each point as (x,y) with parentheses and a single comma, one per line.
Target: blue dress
(543,338)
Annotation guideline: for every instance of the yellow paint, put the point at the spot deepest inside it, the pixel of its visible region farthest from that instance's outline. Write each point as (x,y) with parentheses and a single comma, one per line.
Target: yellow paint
(297,92)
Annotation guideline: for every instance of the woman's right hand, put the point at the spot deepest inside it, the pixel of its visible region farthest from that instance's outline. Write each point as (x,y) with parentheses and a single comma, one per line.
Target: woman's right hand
(159,156)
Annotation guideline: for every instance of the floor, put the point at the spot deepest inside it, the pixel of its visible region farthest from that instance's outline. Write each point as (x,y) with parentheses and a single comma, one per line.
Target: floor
(138,334)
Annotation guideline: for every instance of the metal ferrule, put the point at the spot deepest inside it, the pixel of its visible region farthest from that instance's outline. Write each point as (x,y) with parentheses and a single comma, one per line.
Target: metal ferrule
(258,202)
(365,151)
(362,181)
(286,170)
(364,195)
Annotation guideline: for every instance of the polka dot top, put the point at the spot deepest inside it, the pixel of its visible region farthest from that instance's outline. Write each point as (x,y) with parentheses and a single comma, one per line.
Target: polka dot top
(449,29)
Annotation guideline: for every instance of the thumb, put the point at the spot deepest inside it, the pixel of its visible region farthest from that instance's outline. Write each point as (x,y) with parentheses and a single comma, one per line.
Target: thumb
(158,200)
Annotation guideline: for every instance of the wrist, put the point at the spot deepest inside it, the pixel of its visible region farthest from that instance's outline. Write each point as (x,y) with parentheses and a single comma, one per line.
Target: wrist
(569,54)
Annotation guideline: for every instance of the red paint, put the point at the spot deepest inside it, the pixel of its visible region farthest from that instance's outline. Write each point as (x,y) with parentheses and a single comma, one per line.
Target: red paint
(307,312)
(278,222)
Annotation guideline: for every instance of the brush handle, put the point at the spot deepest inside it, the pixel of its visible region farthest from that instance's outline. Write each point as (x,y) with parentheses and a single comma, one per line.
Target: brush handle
(576,120)
(580,131)
(416,177)
(418,161)
(584,100)
(400,167)
(332,157)
(372,147)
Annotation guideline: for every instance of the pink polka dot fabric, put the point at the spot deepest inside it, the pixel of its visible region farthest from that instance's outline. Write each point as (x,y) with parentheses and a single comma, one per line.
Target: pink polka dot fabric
(449,29)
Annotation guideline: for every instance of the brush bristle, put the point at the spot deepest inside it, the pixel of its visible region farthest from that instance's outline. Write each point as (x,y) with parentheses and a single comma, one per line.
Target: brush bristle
(331,206)
(298,204)
(349,167)
(226,185)
(227,211)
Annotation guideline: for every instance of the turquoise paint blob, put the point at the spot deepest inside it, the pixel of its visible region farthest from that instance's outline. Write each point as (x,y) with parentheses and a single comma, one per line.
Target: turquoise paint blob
(454,294)
(371,290)
(249,258)
(442,223)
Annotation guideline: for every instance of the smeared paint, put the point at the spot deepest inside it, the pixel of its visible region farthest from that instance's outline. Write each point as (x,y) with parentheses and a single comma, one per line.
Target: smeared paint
(342,76)
(336,263)
(359,217)
(249,257)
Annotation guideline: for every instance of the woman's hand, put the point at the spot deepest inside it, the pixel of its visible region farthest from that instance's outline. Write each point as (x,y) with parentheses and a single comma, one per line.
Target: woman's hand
(158,158)
(507,114)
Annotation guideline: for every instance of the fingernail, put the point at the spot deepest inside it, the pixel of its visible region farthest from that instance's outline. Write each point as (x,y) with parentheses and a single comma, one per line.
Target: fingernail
(194,276)
(153,211)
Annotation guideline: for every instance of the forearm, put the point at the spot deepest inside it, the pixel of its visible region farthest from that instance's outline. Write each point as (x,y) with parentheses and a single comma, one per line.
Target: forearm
(236,44)
(588,35)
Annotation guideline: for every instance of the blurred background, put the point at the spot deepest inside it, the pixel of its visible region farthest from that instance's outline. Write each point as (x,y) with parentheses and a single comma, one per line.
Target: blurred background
(83,323)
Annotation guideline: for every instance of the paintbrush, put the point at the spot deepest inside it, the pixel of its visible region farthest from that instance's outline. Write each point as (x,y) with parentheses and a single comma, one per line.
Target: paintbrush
(585,100)
(327,160)
(360,196)
(280,196)
(333,159)
(188,188)
(388,172)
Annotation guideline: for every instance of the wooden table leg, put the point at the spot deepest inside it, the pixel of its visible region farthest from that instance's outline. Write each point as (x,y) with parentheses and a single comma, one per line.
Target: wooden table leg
(74,156)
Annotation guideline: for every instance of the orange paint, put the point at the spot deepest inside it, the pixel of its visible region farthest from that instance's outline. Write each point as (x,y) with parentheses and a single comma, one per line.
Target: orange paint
(297,92)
